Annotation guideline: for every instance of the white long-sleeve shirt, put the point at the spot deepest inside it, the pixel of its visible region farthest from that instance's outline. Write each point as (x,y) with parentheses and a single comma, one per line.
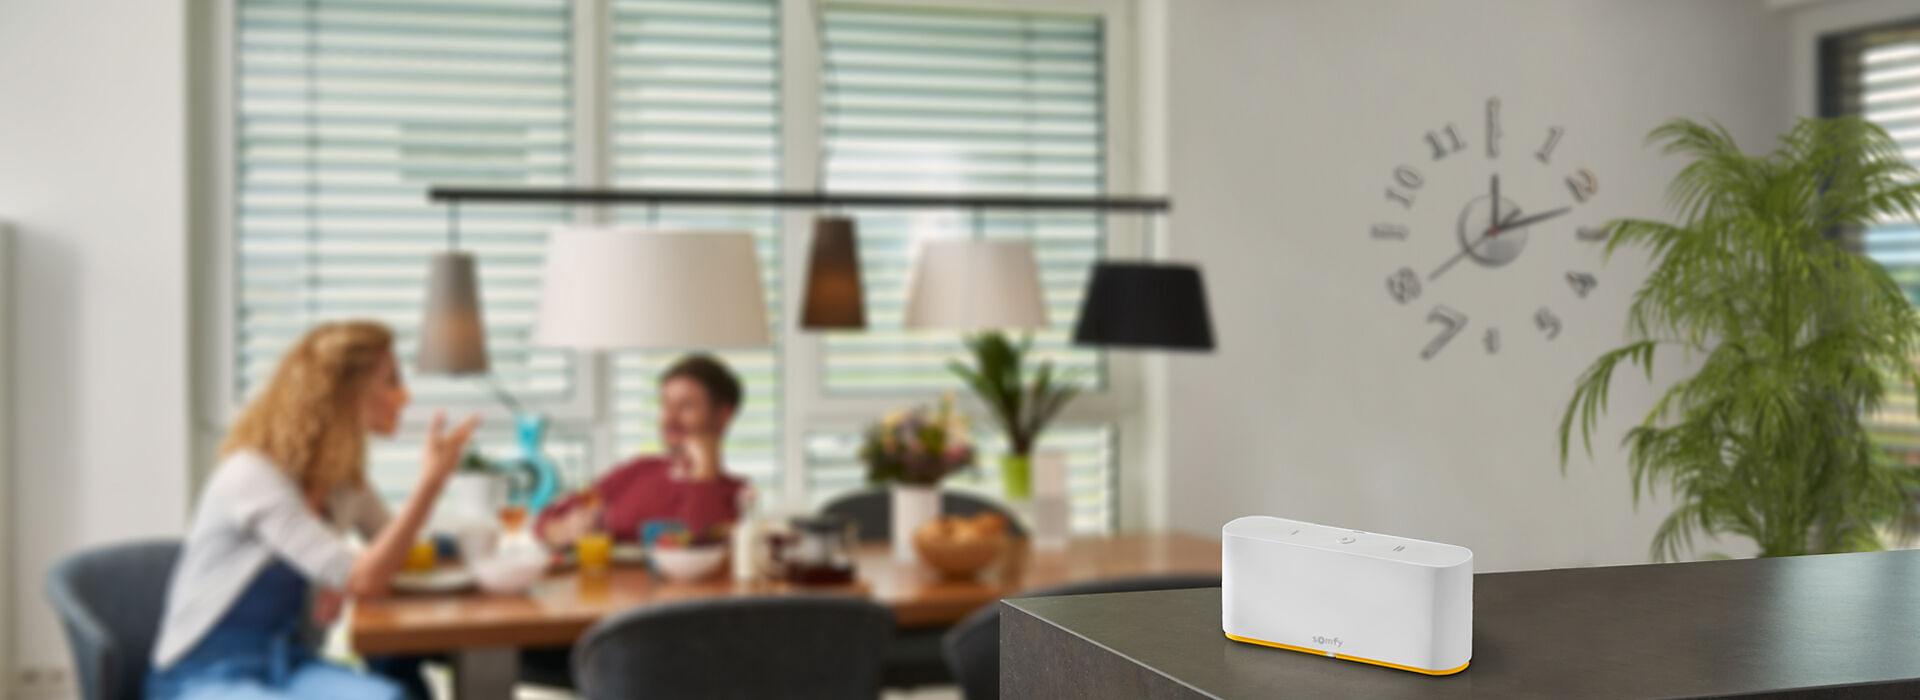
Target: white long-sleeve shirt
(250,512)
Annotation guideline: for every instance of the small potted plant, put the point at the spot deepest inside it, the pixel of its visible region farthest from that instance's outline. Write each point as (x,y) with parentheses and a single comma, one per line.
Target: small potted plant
(1022,405)
(912,451)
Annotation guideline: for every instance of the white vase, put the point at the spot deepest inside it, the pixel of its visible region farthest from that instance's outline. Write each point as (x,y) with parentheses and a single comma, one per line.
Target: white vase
(1050,514)
(912,507)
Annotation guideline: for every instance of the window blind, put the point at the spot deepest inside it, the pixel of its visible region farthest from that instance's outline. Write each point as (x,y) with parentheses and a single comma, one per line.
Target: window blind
(933,100)
(1876,74)
(346,112)
(834,468)
(696,88)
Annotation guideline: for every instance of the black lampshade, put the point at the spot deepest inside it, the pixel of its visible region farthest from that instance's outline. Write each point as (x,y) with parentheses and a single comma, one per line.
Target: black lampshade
(1145,305)
(835,299)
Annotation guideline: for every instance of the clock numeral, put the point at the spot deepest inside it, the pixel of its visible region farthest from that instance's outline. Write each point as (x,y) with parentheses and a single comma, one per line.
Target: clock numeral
(1547,322)
(1452,144)
(1492,341)
(1389,232)
(1581,283)
(1403,286)
(1553,139)
(1452,321)
(1582,184)
(1408,180)
(1592,234)
(1493,127)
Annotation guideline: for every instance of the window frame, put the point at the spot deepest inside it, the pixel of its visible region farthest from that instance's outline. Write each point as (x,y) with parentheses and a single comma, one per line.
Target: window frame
(805,404)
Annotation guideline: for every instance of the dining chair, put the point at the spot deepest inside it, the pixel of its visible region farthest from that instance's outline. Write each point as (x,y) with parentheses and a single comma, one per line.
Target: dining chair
(973,646)
(871,511)
(753,647)
(110,600)
(913,657)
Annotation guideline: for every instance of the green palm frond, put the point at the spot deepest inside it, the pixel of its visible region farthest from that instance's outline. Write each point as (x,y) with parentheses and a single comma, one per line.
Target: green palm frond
(1798,338)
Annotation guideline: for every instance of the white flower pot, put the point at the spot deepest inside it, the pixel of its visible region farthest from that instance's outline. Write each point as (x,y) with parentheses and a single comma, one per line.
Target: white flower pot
(912,507)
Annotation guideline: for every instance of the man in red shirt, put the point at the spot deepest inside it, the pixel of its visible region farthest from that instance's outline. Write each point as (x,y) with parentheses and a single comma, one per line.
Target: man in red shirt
(699,397)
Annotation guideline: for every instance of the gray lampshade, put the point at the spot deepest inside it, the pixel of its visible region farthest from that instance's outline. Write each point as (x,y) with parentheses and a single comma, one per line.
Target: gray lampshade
(453,335)
(835,299)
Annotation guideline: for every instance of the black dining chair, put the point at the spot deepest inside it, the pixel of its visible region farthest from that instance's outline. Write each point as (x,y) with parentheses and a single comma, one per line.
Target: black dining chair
(914,657)
(756,647)
(871,511)
(110,600)
(973,646)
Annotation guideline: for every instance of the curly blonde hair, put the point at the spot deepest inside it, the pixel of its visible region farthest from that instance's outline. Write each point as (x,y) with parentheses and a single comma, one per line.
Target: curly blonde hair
(308,420)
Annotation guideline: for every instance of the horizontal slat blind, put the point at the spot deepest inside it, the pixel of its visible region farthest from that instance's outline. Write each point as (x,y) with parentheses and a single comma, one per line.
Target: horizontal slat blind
(834,468)
(347,112)
(1886,91)
(696,105)
(928,100)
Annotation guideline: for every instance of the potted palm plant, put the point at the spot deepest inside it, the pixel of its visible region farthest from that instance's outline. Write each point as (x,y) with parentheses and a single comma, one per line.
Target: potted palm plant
(1797,335)
(1021,406)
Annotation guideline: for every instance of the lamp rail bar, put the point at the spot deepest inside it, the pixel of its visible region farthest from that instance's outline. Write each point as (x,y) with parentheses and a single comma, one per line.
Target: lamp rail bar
(794,198)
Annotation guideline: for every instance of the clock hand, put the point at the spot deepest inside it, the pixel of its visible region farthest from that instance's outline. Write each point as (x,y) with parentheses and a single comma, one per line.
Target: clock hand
(1528,221)
(1495,201)
(1491,232)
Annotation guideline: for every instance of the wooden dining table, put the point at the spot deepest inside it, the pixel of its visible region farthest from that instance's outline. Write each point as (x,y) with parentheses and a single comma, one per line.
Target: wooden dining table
(482,633)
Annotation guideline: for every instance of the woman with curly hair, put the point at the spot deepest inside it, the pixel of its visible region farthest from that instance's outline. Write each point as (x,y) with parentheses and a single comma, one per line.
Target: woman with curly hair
(265,537)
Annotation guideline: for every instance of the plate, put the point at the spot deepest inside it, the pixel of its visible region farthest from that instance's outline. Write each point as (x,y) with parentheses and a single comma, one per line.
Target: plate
(442,580)
(629,553)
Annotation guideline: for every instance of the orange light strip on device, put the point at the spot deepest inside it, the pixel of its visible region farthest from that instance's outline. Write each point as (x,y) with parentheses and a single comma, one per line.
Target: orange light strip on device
(1344,657)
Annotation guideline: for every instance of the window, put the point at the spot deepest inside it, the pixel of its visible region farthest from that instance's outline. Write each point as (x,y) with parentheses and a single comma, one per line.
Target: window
(696,105)
(950,101)
(345,114)
(1876,74)
(347,111)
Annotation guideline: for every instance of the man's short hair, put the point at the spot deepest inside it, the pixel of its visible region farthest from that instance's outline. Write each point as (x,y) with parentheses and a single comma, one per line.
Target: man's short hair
(722,385)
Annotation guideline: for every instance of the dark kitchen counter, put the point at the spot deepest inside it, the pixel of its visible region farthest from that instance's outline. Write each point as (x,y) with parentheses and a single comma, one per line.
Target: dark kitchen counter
(1838,625)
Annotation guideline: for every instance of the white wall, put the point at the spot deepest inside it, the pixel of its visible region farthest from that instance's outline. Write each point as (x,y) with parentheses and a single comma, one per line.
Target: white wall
(1287,119)
(92,173)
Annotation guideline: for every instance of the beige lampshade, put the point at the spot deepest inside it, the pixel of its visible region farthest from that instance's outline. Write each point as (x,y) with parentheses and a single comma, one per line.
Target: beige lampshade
(968,284)
(453,333)
(607,288)
(835,299)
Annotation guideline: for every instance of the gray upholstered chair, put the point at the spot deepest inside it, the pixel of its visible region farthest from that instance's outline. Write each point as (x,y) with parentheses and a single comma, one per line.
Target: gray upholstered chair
(760,647)
(110,600)
(871,511)
(913,658)
(973,646)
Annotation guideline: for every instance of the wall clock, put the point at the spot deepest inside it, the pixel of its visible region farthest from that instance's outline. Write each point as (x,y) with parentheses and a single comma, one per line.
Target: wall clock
(1489,233)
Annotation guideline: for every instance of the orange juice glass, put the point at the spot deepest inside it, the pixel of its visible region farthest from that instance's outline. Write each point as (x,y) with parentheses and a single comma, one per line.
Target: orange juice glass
(512,517)
(420,557)
(595,550)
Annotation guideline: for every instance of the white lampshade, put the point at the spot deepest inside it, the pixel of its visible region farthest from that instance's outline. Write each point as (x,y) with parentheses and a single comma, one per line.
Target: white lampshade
(970,284)
(606,289)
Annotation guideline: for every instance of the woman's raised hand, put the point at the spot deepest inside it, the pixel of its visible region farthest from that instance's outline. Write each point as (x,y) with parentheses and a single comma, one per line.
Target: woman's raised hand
(441,455)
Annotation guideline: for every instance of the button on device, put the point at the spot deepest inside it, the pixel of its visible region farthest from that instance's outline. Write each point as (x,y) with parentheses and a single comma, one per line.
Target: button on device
(1347,540)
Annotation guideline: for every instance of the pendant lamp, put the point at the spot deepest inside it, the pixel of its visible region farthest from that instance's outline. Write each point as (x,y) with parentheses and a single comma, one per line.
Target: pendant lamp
(618,288)
(453,333)
(835,298)
(972,284)
(1145,305)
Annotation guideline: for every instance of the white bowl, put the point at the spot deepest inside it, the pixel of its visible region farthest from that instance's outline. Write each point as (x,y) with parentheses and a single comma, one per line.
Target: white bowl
(509,571)
(689,563)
